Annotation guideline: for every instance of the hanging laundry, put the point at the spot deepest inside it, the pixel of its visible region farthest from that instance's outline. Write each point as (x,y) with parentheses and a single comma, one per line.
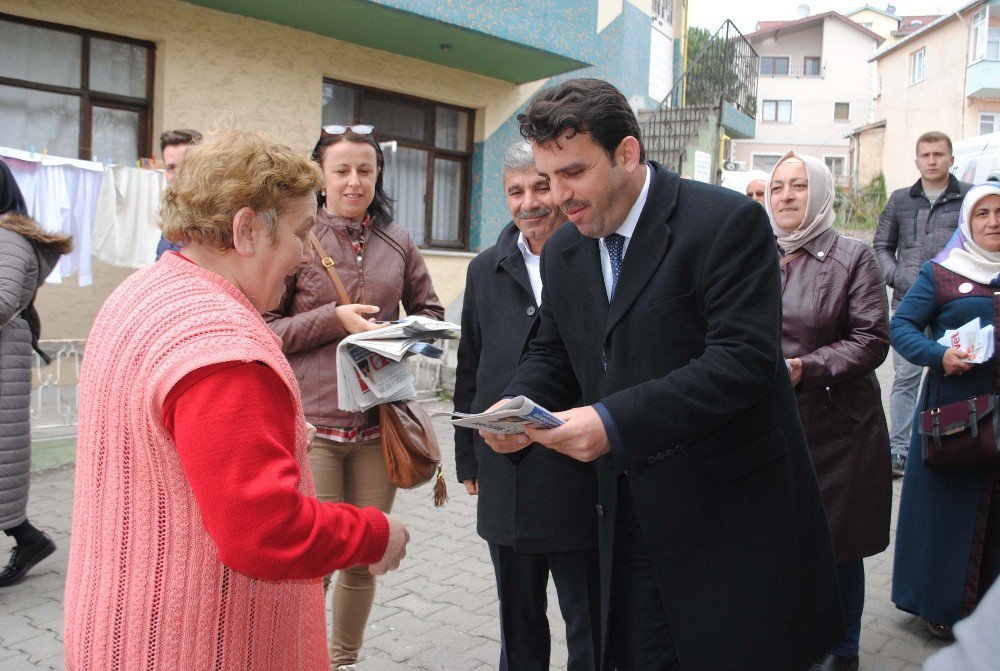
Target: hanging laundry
(61,194)
(126,222)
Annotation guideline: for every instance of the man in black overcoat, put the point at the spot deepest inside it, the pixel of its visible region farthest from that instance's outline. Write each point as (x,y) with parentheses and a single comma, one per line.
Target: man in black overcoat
(660,332)
(536,507)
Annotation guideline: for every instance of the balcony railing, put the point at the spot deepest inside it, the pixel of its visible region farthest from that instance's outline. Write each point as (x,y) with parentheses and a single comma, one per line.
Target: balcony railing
(795,72)
(725,71)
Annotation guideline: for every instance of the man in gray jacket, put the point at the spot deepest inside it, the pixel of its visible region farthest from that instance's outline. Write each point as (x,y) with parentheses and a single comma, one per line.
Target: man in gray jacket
(916,224)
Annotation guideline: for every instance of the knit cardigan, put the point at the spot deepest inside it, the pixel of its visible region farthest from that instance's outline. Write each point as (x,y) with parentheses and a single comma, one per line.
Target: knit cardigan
(145,588)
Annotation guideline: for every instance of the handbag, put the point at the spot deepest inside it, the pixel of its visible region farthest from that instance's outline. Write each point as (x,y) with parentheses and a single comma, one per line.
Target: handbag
(963,434)
(409,445)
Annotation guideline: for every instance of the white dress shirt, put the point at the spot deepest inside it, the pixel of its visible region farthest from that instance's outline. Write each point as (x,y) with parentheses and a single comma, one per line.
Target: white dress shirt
(533,263)
(626,230)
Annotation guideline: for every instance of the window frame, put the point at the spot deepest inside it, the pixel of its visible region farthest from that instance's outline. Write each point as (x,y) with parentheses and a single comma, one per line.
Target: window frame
(843,164)
(995,123)
(90,98)
(464,157)
(992,33)
(979,35)
(918,56)
(777,108)
(774,60)
(753,160)
(846,119)
(805,66)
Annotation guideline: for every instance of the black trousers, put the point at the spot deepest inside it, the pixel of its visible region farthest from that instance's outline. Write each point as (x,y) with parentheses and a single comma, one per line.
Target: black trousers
(638,634)
(522,578)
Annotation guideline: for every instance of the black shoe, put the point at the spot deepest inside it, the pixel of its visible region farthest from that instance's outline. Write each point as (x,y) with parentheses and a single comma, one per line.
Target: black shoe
(22,558)
(832,662)
(898,465)
(940,631)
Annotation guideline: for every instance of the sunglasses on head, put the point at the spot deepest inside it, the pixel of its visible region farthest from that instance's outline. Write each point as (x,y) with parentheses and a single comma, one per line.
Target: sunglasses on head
(359,129)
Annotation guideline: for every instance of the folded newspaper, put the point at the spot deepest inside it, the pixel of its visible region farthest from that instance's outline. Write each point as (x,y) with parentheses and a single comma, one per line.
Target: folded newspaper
(370,368)
(970,337)
(511,417)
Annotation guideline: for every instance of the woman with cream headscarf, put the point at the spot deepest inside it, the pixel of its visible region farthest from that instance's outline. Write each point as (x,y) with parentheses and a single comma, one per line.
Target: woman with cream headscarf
(948,536)
(834,334)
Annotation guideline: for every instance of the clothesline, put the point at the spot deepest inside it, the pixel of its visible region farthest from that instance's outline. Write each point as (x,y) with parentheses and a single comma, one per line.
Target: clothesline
(112,212)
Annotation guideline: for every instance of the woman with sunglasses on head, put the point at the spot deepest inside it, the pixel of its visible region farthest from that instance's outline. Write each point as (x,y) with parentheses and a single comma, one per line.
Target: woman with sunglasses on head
(380,267)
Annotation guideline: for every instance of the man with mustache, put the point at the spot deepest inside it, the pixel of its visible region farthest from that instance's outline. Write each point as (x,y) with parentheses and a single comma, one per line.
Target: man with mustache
(659,343)
(535,508)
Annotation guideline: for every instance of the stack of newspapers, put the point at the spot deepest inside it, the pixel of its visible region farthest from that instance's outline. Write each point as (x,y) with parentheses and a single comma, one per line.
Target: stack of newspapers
(971,338)
(370,368)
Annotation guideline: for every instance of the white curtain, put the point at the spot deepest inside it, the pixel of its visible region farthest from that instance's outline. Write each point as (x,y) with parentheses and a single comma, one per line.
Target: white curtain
(39,119)
(406,182)
(115,135)
(118,67)
(447,199)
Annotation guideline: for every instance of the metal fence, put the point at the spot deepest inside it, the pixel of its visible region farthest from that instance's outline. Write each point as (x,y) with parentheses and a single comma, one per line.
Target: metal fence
(725,70)
(54,385)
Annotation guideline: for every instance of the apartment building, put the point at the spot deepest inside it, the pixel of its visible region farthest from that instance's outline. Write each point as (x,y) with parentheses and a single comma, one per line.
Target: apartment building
(815,85)
(945,76)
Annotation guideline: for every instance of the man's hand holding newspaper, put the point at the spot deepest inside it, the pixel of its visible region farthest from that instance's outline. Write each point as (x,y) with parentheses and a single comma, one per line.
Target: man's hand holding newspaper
(510,425)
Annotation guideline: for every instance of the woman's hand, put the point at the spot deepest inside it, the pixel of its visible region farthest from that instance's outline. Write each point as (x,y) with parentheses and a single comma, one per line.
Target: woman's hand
(352,317)
(795,371)
(310,436)
(955,361)
(395,550)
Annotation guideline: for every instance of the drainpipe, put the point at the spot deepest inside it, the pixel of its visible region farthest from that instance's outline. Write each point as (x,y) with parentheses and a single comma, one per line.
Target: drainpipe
(684,65)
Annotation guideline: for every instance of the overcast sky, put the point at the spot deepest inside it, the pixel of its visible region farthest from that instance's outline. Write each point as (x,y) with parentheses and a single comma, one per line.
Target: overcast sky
(711,13)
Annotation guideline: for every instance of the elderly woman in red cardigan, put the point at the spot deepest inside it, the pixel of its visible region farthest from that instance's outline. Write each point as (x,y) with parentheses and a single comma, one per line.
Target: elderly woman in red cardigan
(197,542)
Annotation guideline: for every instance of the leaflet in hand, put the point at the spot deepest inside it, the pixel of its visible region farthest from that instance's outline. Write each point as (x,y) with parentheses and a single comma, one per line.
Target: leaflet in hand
(511,417)
(370,368)
(970,335)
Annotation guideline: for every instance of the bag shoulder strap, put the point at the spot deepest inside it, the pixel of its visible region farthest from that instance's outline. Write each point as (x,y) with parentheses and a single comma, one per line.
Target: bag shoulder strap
(331,270)
(788,258)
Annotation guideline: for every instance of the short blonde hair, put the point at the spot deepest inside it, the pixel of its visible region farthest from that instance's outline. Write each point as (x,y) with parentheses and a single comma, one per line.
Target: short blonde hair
(226,172)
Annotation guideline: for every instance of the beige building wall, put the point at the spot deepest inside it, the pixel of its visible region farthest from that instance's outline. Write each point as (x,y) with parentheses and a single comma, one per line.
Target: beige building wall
(880,23)
(937,103)
(216,68)
(871,148)
(846,77)
(747,152)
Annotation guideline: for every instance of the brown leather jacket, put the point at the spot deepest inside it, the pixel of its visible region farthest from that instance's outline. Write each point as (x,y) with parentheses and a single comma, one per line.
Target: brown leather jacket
(391,271)
(835,318)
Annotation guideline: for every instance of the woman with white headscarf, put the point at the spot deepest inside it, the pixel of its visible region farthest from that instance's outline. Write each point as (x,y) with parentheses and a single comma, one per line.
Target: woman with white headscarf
(948,535)
(834,334)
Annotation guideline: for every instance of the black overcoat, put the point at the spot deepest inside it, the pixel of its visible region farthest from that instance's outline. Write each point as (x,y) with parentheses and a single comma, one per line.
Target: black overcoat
(536,500)
(687,360)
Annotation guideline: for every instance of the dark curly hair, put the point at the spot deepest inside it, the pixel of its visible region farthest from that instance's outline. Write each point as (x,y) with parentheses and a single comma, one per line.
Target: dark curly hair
(380,209)
(591,106)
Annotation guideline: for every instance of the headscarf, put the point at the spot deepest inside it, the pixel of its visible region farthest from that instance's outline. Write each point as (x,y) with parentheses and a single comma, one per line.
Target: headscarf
(10,196)
(819,206)
(962,255)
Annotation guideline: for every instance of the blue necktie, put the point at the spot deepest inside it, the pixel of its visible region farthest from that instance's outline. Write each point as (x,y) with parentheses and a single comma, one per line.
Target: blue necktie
(616,245)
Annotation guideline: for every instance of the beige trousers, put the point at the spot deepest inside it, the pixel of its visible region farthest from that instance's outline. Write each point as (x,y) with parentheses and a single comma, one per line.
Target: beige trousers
(351,473)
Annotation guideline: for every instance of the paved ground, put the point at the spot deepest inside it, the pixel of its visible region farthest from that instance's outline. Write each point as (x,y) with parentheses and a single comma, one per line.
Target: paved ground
(438,612)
